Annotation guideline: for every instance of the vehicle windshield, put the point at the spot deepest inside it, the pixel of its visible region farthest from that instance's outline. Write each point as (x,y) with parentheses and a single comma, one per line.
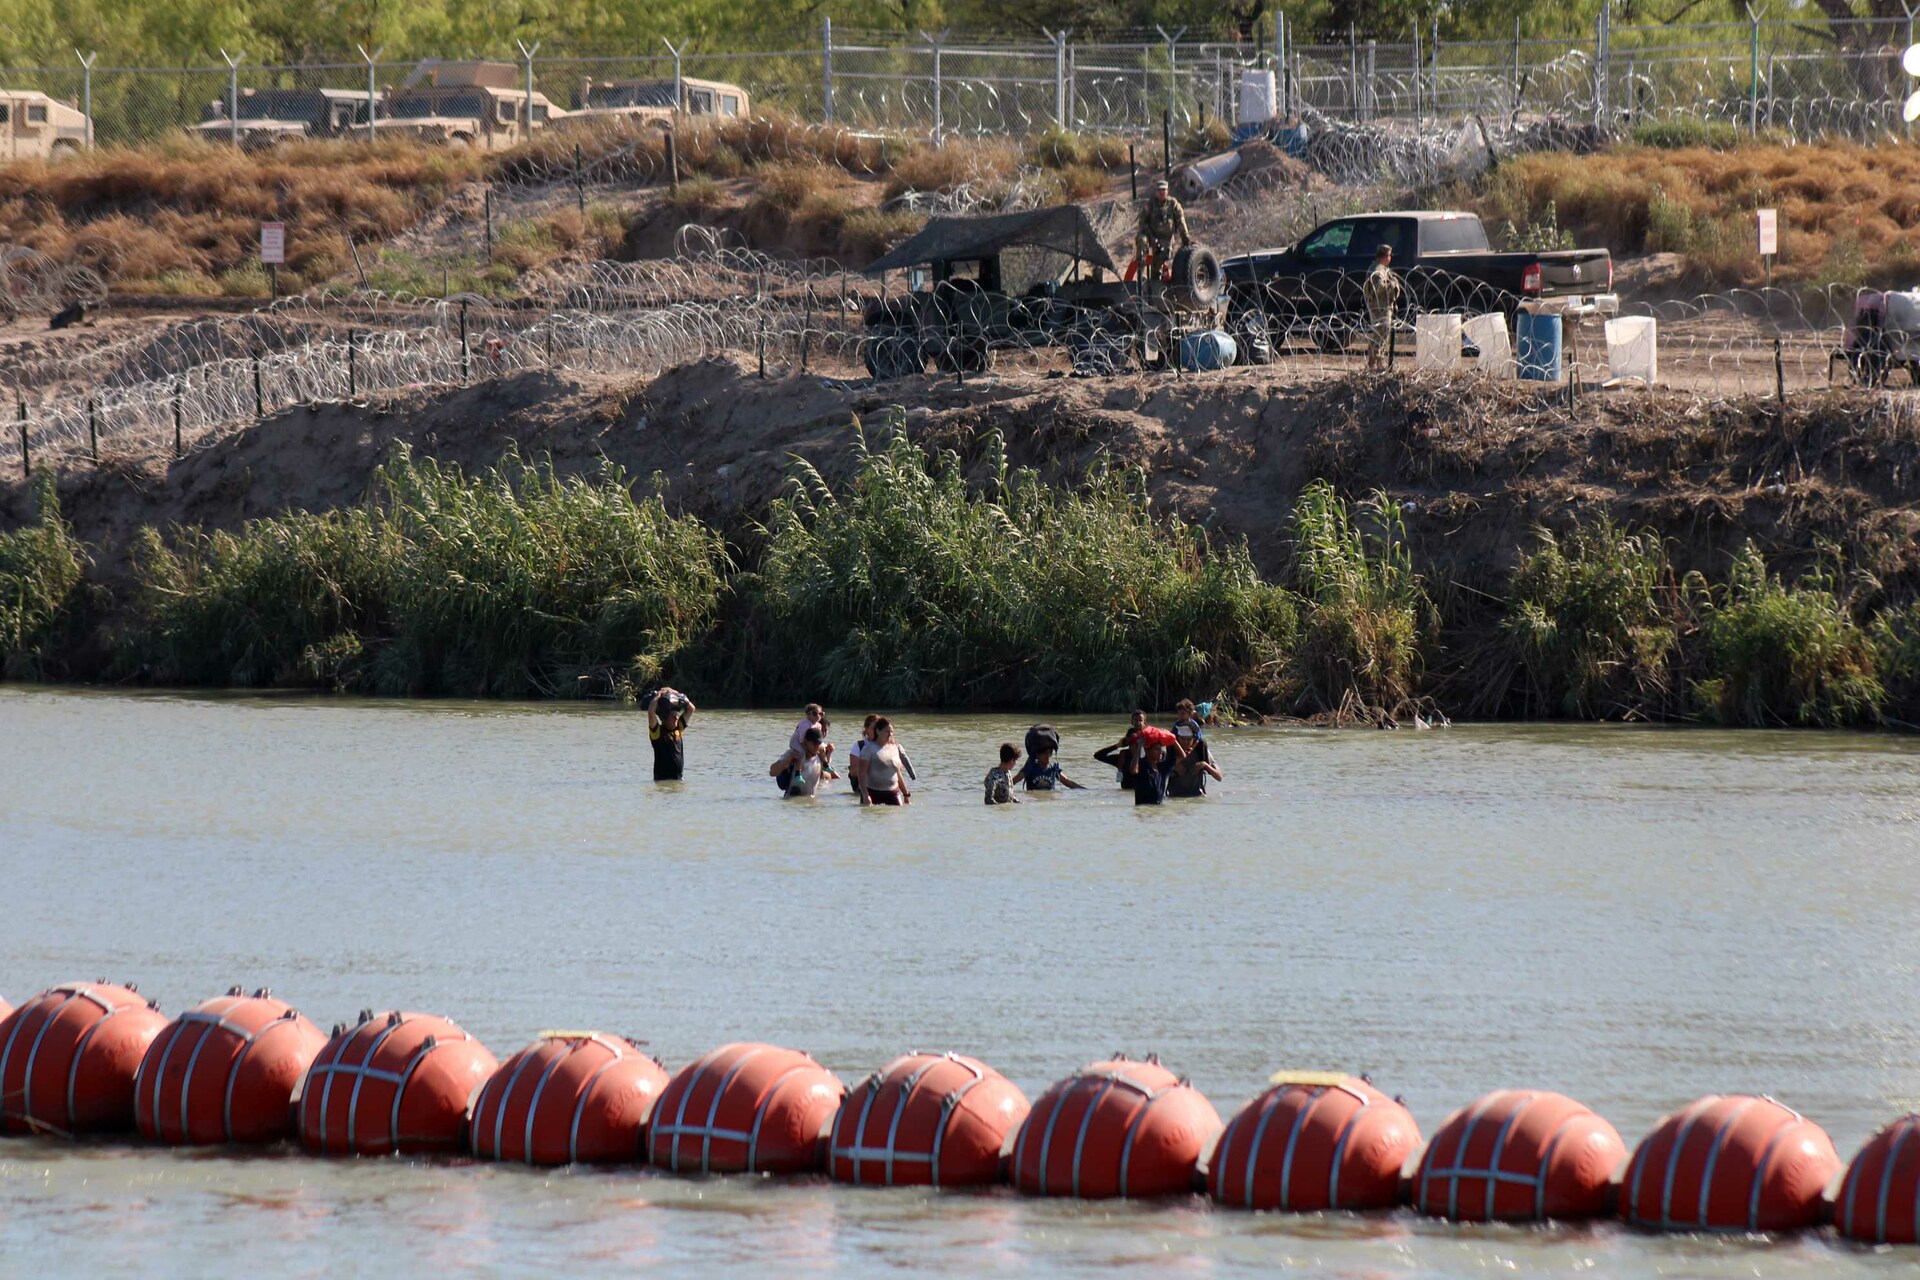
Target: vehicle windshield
(465,104)
(642,93)
(283,104)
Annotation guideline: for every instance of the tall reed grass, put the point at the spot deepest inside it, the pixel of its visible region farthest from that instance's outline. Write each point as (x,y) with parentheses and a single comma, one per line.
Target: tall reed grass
(1593,623)
(41,567)
(1367,611)
(1780,654)
(906,585)
(513,582)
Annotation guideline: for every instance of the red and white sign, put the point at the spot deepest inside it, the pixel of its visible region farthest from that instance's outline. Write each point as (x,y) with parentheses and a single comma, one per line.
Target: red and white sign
(1769,220)
(273,242)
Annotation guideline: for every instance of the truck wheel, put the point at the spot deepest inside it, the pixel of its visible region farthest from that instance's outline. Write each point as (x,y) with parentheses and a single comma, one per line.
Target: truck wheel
(963,353)
(63,152)
(1096,350)
(1195,278)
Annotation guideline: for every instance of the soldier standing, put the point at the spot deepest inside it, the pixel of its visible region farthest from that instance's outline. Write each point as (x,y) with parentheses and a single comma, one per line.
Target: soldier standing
(1162,221)
(1382,293)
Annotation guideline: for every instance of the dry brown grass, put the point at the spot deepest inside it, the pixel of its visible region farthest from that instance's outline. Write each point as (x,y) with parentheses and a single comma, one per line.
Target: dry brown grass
(187,213)
(1848,213)
(952,165)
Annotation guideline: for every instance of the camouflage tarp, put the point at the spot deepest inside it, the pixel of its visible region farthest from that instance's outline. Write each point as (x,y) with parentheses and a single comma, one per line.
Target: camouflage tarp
(1065,229)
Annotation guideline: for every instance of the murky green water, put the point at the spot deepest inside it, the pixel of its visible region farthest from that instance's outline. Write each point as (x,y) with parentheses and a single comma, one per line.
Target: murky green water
(1631,916)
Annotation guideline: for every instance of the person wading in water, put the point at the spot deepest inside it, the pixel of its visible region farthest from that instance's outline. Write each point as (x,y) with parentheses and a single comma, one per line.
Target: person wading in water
(1124,755)
(884,770)
(667,717)
(801,770)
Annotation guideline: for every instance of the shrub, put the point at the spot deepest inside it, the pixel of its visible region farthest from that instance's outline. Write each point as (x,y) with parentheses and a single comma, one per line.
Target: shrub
(1365,606)
(1785,655)
(695,195)
(868,233)
(1686,131)
(40,571)
(1896,638)
(509,583)
(1590,619)
(906,586)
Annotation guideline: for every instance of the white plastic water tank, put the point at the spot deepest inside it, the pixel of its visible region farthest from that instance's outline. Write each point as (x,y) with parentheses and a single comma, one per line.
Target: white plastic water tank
(1258,98)
(1632,352)
(1488,334)
(1436,342)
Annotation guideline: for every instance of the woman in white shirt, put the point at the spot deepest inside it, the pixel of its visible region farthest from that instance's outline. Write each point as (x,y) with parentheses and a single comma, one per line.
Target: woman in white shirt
(884,769)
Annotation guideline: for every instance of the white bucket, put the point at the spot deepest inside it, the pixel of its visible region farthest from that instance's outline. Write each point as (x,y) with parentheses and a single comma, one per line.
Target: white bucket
(1257,97)
(1631,350)
(1436,342)
(1488,334)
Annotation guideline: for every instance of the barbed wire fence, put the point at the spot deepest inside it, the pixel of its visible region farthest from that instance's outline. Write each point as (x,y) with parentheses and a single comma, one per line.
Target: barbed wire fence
(1797,78)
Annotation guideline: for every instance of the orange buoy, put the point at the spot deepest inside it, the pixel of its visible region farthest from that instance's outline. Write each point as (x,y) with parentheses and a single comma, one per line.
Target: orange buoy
(69,1056)
(1730,1163)
(1519,1155)
(1115,1128)
(1314,1141)
(1879,1202)
(570,1097)
(395,1082)
(927,1120)
(745,1108)
(226,1071)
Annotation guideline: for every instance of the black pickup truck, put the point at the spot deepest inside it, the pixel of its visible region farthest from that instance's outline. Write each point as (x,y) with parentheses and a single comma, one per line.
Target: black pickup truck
(1442,257)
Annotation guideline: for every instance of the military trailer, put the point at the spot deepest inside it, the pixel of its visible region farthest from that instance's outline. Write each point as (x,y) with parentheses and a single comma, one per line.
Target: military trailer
(653,99)
(466,104)
(34,126)
(268,117)
(1038,278)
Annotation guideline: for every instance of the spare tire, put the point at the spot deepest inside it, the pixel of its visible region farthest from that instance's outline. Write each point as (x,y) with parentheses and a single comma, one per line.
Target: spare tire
(1195,279)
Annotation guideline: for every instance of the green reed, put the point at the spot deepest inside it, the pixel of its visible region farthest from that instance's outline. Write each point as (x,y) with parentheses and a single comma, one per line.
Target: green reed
(1367,611)
(513,582)
(906,585)
(41,567)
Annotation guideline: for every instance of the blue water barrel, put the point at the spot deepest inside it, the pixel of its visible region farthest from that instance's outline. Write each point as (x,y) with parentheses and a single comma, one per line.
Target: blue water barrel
(1208,349)
(1537,346)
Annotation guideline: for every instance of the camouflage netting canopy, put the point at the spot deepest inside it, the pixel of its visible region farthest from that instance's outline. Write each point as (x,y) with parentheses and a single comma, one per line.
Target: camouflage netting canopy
(1065,229)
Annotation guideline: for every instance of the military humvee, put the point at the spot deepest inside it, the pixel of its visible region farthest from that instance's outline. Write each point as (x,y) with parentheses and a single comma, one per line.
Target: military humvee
(466,104)
(32,125)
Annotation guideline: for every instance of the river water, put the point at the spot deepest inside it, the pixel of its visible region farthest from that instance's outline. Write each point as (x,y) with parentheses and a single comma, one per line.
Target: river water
(1631,916)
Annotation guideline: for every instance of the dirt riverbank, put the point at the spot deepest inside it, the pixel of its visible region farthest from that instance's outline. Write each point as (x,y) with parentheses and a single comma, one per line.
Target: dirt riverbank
(1475,466)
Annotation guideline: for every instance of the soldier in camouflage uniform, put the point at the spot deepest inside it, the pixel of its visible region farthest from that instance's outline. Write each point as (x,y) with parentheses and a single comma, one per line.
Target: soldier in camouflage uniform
(1162,221)
(1382,293)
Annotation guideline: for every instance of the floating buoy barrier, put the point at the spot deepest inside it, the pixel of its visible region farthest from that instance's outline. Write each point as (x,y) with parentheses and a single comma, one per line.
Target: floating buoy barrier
(745,1108)
(927,1119)
(1519,1155)
(69,1056)
(97,1058)
(570,1097)
(1879,1202)
(226,1071)
(1312,1142)
(1730,1163)
(396,1082)
(1115,1128)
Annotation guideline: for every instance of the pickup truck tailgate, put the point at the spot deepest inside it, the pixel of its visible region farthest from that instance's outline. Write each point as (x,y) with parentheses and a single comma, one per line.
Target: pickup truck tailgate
(1576,271)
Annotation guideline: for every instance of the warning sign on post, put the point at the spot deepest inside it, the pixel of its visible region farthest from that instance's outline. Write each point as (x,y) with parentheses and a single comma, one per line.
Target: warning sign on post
(273,243)
(1769,220)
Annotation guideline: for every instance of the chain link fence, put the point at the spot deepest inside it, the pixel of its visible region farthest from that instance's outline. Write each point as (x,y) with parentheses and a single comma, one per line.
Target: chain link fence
(1799,80)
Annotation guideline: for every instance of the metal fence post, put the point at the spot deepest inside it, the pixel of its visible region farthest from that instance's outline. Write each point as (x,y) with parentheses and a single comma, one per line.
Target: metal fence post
(527,54)
(939,111)
(1353,73)
(1280,61)
(1908,125)
(259,392)
(177,449)
(1516,65)
(93,431)
(1173,62)
(1753,75)
(1600,66)
(826,69)
(233,95)
(466,352)
(353,373)
(26,455)
(679,85)
(1433,89)
(1373,89)
(86,89)
(1059,39)
(1416,70)
(373,90)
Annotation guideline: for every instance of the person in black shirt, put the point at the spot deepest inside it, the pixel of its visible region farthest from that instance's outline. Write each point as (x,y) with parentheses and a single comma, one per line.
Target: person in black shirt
(1150,780)
(667,717)
(1124,754)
